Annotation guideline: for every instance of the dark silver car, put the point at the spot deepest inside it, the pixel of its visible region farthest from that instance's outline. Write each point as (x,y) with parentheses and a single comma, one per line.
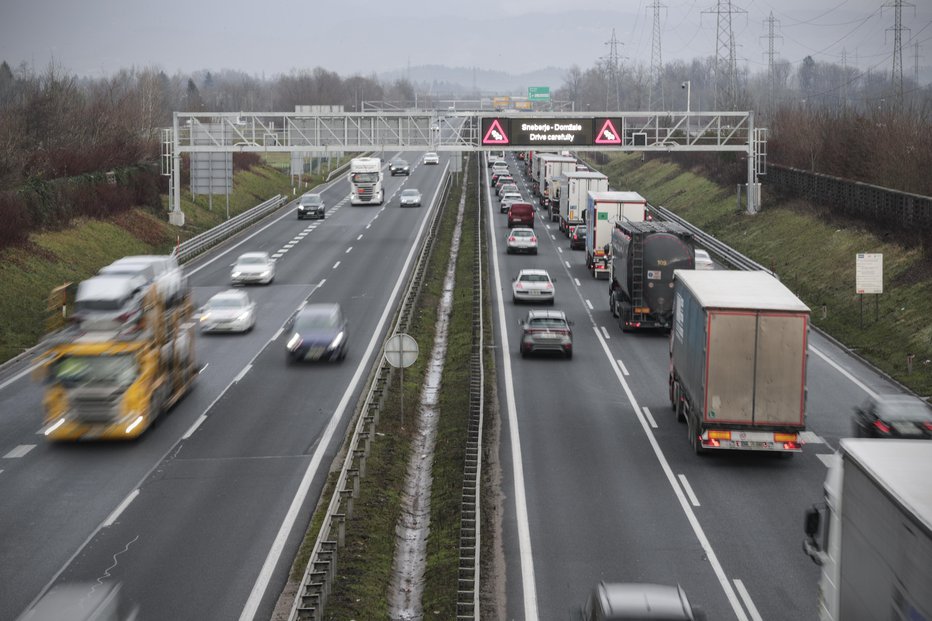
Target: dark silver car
(546,330)
(644,602)
(893,416)
(317,332)
(410,198)
(311,206)
(399,166)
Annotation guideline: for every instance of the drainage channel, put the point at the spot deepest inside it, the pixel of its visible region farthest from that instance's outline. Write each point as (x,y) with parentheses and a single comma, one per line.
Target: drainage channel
(407,582)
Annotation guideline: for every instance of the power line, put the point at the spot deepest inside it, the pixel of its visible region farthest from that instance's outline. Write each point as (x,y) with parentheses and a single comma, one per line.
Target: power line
(726,70)
(897,29)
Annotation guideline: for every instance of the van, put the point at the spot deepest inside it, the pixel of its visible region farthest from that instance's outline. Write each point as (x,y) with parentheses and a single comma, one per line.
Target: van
(109,302)
(521,214)
(496,156)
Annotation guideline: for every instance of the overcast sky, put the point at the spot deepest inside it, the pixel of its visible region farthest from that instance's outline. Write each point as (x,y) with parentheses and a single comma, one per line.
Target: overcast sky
(98,37)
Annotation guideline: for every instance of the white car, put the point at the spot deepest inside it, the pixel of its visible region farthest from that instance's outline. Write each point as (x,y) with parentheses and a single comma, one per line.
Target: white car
(410,198)
(228,311)
(521,240)
(507,199)
(170,281)
(253,267)
(703,260)
(531,286)
(431,158)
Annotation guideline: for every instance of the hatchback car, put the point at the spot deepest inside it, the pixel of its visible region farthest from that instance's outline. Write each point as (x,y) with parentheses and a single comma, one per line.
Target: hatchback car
(431,158)
(546,330)
(578,237)
(521,240)
(893,416)
(502,181)
(615,602)
(228,311)
(110,302)
(496,175)
(521,214)
(703,260)
(317,332)
(508,199)
(253,267)
(508,188)
(399,166)
(532,285)
(410,198)
(311,206)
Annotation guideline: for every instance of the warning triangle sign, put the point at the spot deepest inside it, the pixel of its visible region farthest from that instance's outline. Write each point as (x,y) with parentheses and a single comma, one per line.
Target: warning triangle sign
(608,134)
(495,135)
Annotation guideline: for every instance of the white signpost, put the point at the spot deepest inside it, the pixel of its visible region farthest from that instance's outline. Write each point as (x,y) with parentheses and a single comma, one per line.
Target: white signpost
(401,351)
(868,277)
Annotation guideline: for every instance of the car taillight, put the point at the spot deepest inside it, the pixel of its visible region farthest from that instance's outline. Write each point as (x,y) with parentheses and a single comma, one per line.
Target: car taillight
(549,285)
(511,238)
(519,286)
(791,446)
(881,426)
(534,239)
(928,425)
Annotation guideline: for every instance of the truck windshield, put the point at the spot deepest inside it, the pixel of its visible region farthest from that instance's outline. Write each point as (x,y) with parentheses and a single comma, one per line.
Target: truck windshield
(74,370)
(365,177)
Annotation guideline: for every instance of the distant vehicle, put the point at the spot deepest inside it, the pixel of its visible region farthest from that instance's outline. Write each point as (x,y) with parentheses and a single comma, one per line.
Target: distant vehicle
(228,311)
(893,416)
(620,602)
(410,198)
(497,175)
(520,155)
(253,267)
(574,197)
(521,214)
(496,156)
(508,188)
(111,302)
(399,166)
(365,178)
(311,206)
(508,199)
(872,532)
(521,240)
(317,332)
(170,280)
(143,271)
(502,181)
(703,260)
(603,209)
(546,330)
(431,158)
(499,167)
(578,237)
(532,285)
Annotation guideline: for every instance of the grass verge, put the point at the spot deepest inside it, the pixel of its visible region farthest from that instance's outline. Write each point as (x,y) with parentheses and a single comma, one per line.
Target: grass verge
(814,254)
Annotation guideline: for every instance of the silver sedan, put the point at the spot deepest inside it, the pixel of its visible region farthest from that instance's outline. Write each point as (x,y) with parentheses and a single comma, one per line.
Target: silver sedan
(253,267)
(228,311)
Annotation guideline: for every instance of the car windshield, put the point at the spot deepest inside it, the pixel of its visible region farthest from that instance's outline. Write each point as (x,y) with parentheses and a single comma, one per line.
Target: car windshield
(399,163)
(899,408)
(226,302)
(547,322)
(317,320)
(410,193)
(523,233)
(254,260)
(74,370)
(580,230)
(365,177)
(310,200)
(534,278)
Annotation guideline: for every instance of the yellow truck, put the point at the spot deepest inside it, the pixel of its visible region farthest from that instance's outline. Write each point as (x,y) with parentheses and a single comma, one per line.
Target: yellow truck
(113,384)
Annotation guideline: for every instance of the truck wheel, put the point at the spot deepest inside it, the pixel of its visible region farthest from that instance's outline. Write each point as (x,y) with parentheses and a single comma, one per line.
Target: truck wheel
(611,304)
(680,408)
(693,428)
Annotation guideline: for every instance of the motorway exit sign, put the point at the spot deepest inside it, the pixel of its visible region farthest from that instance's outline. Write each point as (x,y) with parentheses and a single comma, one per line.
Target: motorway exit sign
(538,93)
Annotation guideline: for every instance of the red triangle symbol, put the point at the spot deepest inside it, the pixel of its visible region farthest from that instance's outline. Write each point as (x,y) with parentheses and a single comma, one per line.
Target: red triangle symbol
(608,134)
(495,135)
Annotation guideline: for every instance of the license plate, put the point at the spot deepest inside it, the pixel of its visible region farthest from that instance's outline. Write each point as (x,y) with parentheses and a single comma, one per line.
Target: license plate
(314,353)
(534,292)
(750,444)
(906,429)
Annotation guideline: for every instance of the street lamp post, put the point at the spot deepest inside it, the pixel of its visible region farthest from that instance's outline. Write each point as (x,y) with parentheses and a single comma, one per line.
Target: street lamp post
(688,88)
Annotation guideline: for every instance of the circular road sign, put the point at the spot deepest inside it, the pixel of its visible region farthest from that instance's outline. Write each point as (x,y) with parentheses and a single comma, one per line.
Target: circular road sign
(400,350)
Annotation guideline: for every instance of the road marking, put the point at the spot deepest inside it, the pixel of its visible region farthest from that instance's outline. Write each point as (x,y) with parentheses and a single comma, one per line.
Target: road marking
(827,459)
(336,265)
(752,609)
(553,237)
(19,451)
(20,374)
(278,255)
(242,373)
(677,490)
(650,417)
(193,428)
(855,380)
(321,283)
(589,304)
(624,369)
(578,284)
(120,508)
(688,488)
(605,333)
(568,264)
(810,437)
(203,368)
(560,250)
(368,225)
(349,250)
(360,237)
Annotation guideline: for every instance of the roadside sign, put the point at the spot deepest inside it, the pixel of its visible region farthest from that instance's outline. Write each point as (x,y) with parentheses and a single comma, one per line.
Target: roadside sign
(495,133)
(869,273)
(538,93)
(501,102)
(401,350)
(608,134)
(551,132)
(523,104)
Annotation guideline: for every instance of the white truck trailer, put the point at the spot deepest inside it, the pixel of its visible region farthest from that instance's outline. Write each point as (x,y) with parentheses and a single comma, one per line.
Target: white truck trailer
(574,194)
(872,534)
(552,166)
(602,209)
(365,178)
(738,353)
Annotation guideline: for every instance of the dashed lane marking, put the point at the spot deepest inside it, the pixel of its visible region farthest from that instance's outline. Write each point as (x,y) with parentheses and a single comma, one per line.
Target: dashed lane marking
(19,451)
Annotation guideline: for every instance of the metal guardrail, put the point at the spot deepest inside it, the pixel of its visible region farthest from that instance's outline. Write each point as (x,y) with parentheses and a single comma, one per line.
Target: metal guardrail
(317,581)
(199,243)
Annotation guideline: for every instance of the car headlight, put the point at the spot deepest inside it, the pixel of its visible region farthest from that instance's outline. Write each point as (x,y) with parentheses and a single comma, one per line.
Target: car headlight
(294,342)
(243,317)
(336,341)
(265,274)
(205,316)
(237,274)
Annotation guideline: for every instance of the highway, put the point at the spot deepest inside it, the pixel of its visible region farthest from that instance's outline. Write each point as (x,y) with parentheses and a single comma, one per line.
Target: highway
(600,480)
(200,518)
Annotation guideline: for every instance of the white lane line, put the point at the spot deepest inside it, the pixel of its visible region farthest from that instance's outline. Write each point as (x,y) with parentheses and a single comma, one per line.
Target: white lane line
(368,225)
(589,304)
(552,237)
(578,284)
(810,437)
(752,609)
(22,373)
(837,367)
(689,490)
(278,255)
(278,546)
(559,249)
(548,226)
(120,508)
(336,265)
(568,264)
(203,368)
(525,553)
(193,428)
(19,451)
(321,283)
(678,491)
(650,417)
(349,250)
(242,373)
(605,333)
(624,369)
(360,237)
